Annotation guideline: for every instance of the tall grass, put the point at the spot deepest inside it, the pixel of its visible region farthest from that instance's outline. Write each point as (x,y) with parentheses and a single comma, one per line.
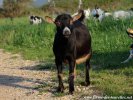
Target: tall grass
(110,48)
(29,39)
(110,45)
(110,41)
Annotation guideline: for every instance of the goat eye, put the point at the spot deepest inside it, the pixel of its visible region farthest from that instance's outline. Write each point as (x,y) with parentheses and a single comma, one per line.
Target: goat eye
(58,23)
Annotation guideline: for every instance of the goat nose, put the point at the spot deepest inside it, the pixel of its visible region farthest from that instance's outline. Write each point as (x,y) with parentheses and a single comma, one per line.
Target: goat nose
(66,32)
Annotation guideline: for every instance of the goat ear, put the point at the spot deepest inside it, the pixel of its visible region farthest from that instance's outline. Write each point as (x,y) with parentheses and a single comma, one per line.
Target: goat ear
(76,17)
(49,19)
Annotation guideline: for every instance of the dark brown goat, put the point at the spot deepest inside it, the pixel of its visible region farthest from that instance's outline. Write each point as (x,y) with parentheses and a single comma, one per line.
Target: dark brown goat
(72,43)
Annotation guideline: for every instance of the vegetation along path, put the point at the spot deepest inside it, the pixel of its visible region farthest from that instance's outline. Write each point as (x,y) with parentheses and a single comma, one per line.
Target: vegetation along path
(25,80)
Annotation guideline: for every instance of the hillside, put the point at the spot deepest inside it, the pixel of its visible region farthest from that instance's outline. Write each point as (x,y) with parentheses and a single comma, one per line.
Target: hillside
(70,6)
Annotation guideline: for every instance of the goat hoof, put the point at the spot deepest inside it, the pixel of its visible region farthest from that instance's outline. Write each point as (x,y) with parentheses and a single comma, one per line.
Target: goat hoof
(59,89)
(87,83)
(71,92)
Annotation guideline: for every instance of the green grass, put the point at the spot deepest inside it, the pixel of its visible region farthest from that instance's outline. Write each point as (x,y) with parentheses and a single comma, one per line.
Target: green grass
(110,45)
(34,42)
(110,48)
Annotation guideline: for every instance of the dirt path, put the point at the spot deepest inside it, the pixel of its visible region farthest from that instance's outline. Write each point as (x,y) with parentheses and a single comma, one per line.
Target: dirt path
(21,80)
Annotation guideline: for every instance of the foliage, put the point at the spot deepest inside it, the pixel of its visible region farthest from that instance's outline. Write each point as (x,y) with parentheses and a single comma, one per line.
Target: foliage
(15,7)
(71,6)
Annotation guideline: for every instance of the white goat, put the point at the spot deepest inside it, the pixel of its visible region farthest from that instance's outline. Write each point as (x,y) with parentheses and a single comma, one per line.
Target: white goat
(87,13)
(108,14)
(98,13)
(35,20)
(122,14)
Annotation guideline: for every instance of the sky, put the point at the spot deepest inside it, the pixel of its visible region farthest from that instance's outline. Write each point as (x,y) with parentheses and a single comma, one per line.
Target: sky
(35,2)
(1,2)
(40,2)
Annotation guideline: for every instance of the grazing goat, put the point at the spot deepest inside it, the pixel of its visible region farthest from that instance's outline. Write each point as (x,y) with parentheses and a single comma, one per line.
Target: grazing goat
(35,20)
(98,13)
(108,14)
(72,45)
(122,14)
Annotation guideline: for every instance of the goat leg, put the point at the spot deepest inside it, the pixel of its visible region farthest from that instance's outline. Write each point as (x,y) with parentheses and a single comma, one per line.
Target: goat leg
(59,68)
(129,58)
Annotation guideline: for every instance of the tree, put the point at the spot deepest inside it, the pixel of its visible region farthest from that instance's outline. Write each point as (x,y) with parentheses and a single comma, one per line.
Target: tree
(15,7)
(80,4)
